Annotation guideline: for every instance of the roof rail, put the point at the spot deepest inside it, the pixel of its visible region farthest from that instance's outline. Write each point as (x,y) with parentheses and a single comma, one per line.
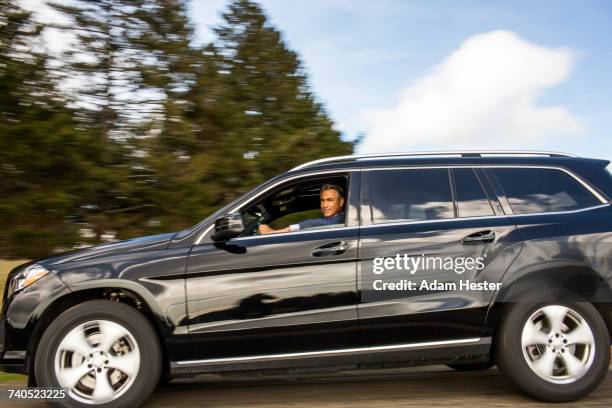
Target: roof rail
(475,153)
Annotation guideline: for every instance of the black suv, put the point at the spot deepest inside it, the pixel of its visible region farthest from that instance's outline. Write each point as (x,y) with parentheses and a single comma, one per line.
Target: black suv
(110,321)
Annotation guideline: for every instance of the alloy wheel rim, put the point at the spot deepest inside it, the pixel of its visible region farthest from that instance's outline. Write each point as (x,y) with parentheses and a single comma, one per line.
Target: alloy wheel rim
(558,344)
(97,361)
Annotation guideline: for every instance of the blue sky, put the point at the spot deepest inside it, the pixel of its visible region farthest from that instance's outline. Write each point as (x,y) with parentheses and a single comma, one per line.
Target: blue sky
(407,73)
(446,74)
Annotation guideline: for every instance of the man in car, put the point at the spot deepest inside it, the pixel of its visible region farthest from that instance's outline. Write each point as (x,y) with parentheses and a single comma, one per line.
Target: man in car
(332,201)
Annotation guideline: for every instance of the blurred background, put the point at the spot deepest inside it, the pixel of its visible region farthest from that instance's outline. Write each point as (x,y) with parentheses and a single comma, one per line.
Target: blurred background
(132,129)
(123,118)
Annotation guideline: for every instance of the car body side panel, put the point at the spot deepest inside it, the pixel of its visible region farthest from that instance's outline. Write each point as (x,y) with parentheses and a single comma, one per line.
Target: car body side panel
(564,253)
(21,311)
(157,276)
(272,293)
(430,314)
(264,295)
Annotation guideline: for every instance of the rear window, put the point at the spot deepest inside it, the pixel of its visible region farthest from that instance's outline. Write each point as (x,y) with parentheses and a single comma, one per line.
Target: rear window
(531,190)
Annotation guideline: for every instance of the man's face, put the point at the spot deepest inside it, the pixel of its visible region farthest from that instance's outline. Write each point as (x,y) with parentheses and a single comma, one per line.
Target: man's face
(331,203)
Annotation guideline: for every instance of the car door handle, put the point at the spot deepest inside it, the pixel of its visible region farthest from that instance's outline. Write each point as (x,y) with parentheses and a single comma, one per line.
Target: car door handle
(335,248)
(478,237)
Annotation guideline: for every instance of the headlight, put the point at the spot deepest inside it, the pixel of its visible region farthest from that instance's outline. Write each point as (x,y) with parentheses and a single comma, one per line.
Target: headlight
(28,276)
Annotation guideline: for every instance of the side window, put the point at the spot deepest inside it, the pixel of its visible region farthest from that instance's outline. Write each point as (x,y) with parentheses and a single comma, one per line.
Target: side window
(471,198)
(294,218)
(543,190)
(409,195)
(297,202)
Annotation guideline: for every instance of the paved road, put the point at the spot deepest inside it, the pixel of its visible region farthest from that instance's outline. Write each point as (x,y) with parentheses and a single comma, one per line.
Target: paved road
(431,387)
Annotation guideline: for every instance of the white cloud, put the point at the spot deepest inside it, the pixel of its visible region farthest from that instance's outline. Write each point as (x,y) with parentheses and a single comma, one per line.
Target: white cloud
(484,94)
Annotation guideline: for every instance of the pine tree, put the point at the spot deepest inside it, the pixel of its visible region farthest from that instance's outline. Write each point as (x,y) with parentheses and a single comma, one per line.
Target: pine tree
(172,131)
(254,108)
(101,62)
(103,67)
(169,70)
(44,157)
(246,114)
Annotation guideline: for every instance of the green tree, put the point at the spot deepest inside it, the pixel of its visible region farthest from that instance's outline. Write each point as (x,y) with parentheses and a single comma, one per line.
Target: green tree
(252,113)
(44,156)
(240,113)
(274,115)
(237,112)
(169,71)
(152,133)
(101,63)
(116,104)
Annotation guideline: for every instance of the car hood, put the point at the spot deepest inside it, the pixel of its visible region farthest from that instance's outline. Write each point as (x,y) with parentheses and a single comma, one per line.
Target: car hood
(151,242)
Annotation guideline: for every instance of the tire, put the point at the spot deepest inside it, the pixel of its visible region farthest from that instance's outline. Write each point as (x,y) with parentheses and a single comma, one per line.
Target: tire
(549,367)
(74,339)
(480,366)
(164,380)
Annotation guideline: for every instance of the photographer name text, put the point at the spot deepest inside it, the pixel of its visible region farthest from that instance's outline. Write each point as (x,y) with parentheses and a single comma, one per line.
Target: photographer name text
(462,285)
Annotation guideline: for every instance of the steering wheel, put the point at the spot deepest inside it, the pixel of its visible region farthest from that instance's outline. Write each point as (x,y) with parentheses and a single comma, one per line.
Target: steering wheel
(259,220)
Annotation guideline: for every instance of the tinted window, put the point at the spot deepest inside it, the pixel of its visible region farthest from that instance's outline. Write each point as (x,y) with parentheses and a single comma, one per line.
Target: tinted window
(543,190)
(471,198)
(404,195)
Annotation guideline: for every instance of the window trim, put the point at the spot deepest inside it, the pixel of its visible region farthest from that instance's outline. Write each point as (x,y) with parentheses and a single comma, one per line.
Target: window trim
(497,190)
(293,233)
(482,188)
(260,193)
(453,188)
(483,217)
(365,180)
(493,166)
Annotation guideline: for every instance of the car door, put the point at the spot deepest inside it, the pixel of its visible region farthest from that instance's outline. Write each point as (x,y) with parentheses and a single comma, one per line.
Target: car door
(438,214)
(275,294)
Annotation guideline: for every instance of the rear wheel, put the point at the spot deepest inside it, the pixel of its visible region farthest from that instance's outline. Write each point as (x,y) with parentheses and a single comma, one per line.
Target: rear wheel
(554,351)
(105,353)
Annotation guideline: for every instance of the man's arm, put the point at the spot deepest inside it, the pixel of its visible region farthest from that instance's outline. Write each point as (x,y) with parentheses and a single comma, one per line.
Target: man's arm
(315,222)
(265,229)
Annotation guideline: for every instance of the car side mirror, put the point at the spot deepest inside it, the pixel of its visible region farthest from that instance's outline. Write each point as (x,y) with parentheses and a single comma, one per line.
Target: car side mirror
(227,227)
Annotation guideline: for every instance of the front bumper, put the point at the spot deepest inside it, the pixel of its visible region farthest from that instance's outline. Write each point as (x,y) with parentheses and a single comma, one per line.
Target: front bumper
(10,361)
(19,317)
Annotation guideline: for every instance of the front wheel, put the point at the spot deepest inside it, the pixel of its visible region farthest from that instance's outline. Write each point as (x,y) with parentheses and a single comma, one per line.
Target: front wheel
(105,353)
(554,351)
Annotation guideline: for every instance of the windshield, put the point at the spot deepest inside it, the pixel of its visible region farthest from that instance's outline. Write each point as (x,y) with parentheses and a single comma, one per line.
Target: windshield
(196,229)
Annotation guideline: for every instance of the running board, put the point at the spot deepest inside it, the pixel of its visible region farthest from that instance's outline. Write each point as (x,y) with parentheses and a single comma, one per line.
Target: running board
(411,353)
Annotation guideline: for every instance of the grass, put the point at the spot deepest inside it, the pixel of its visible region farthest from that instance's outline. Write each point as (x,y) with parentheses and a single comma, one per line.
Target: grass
(5,268)
(12,378)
